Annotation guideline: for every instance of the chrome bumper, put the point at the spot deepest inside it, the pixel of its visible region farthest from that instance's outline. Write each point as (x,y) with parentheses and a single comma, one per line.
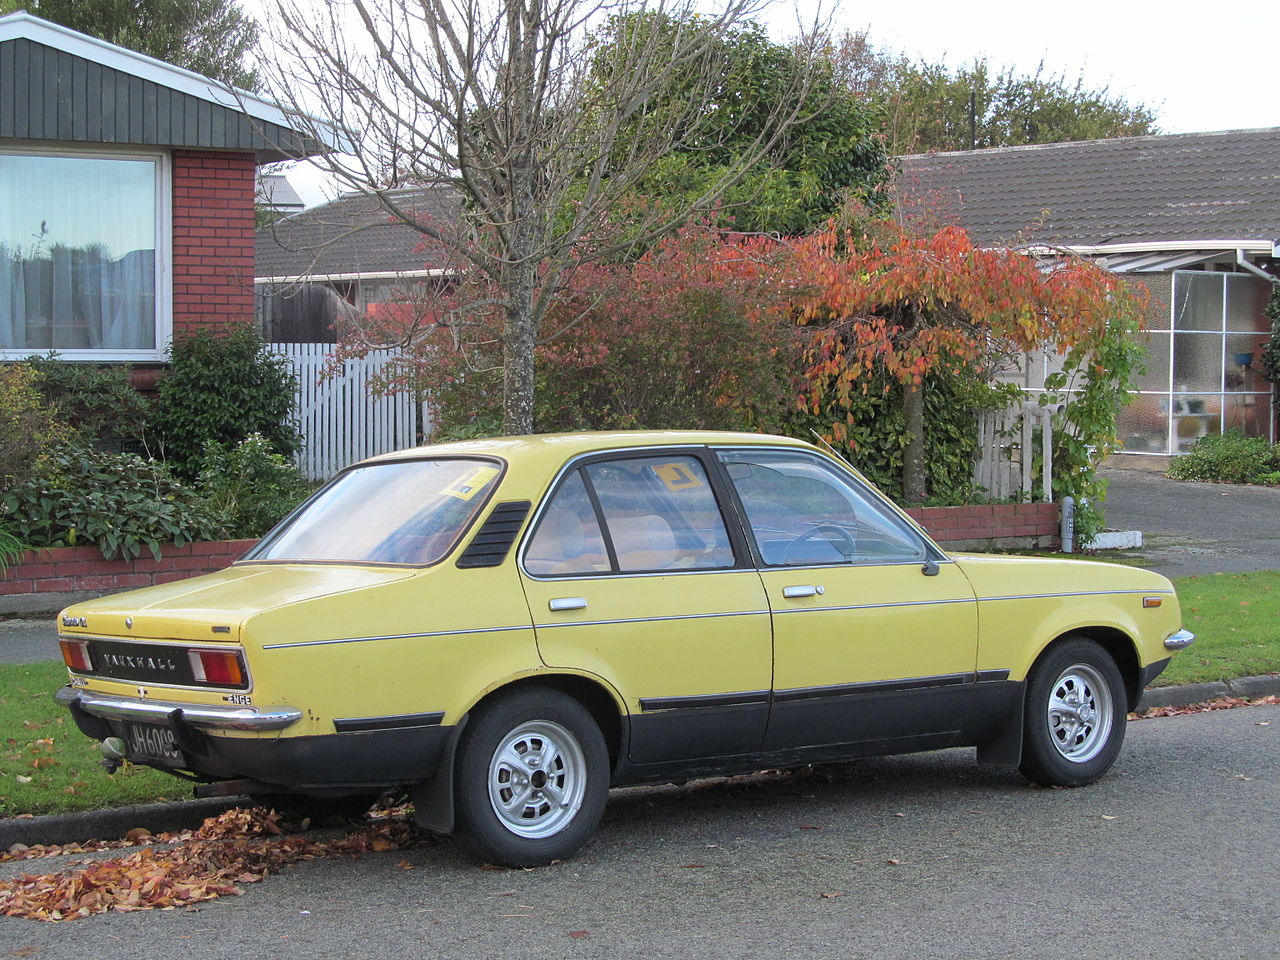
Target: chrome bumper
(1180,640)
(204,716)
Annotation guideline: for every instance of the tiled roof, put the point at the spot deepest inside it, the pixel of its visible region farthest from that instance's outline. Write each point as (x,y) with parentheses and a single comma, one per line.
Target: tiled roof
(353,235)
(1179,187)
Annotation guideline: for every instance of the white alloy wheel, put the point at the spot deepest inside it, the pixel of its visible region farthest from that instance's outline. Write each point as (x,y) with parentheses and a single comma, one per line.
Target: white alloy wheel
(1079,713)
(537,779)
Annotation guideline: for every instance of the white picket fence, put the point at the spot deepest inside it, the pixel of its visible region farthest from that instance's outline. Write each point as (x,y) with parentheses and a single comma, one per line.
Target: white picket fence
(339,420)
(1005,451)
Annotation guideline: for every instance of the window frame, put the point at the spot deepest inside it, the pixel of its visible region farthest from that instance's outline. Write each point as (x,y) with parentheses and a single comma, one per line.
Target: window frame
(253,554)
(932,553)
(164,248)
(743,551)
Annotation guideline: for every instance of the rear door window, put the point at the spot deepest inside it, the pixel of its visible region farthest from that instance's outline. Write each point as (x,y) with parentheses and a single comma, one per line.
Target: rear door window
(632,515)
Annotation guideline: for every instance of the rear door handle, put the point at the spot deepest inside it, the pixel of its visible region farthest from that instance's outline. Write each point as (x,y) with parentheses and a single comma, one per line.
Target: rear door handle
(804,590)
(568,603)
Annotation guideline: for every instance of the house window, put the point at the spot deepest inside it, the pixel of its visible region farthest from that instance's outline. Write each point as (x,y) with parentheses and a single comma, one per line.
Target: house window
(1202,372)
(83,251)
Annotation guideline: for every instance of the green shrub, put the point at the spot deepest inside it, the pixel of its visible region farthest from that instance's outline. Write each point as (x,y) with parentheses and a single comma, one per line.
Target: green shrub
(11,548)
(1229,458)
(877,434)
(249,488)
(99,403)
(119,502)
(28,429)
(222,388)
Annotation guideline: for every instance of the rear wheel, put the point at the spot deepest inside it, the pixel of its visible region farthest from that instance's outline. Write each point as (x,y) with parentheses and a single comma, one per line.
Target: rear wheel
(1075,715)
(532,778)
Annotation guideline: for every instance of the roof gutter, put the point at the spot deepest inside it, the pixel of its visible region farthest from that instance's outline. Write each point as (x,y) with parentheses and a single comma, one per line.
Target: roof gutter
(1263,247)
(371,275)
(1254,268)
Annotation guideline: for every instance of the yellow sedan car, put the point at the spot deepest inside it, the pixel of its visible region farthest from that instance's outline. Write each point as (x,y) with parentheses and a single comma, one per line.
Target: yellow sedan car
(508,627)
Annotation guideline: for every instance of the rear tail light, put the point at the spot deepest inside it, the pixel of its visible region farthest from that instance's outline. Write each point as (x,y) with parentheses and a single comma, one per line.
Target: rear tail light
(75,654)
(217,668)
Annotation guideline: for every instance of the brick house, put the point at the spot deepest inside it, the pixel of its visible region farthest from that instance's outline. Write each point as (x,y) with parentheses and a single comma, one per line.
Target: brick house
(126,196)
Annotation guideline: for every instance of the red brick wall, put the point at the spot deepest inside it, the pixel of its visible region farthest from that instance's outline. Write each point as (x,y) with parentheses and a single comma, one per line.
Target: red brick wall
(69,569)
(212,238)
(991,522)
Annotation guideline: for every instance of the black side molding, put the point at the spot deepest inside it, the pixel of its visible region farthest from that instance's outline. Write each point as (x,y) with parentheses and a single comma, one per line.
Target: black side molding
(404,721)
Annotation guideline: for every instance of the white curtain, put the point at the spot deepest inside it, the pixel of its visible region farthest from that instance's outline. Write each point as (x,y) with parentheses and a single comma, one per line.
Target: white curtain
(77,253)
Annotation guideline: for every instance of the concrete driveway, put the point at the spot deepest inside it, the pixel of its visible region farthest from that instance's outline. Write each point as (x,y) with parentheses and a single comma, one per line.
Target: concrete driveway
(1196,528)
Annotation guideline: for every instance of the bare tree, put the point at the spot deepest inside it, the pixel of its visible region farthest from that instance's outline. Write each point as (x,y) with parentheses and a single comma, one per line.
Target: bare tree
(502,103)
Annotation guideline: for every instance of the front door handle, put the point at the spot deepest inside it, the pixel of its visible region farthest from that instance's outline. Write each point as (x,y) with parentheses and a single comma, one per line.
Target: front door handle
(805,590)
(568,603)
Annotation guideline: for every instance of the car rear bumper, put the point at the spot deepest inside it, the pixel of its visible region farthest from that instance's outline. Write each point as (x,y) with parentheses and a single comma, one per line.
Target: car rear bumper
(357,759)
(202,716)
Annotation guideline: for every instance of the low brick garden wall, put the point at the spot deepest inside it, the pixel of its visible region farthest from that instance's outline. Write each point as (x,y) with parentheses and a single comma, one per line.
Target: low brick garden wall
(1013,525)
(48,579)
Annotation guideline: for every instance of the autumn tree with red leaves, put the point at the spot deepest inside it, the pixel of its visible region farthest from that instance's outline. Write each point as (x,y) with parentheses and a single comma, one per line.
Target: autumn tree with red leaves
(892,300)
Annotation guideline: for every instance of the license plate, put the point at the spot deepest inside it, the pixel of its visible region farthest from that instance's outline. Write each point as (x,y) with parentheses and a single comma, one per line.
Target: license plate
(152,743)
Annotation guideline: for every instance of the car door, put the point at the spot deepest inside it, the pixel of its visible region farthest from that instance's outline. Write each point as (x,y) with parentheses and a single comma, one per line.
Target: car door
(632,574)
(875,632)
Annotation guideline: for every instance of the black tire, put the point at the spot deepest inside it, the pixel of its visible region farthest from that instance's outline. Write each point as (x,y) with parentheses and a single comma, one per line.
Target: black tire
(510,809)
(1075,714)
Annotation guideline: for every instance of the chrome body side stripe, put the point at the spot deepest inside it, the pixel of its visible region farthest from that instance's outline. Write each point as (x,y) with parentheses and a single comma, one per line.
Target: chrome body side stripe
(394,636)
(875,606)
(687,616)
(1080,593)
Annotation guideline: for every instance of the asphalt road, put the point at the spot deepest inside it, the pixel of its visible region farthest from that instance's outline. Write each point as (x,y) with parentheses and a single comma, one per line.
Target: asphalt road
(1172,855)
(1196,528)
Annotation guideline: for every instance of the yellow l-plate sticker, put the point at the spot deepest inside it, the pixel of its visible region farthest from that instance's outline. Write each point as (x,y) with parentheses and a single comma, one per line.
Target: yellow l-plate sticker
(472,483)
(677,476)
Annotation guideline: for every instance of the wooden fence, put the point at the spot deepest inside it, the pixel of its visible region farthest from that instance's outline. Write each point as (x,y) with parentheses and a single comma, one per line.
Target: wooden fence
(1006,440)
(340,421)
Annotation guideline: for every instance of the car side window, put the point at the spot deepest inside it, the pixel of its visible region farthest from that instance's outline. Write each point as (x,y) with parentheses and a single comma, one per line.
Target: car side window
(568,538)
(661,514)
(804,512)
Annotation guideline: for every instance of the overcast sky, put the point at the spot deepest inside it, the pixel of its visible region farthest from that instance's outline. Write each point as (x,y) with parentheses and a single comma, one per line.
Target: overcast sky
(1200,66)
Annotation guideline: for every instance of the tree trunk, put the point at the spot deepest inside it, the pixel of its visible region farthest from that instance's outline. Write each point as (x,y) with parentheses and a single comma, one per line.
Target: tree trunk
(913,483)
(519,337)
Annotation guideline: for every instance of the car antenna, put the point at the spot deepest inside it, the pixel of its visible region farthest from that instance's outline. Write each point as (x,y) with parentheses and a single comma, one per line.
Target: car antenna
(832,450)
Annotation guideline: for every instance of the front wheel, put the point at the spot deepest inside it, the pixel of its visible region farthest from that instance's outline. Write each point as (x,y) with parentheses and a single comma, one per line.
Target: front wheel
(532,778)
(1075,715)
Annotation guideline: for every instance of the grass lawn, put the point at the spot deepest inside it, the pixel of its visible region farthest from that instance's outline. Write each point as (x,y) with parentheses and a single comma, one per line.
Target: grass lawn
(1236,620)
(48,766)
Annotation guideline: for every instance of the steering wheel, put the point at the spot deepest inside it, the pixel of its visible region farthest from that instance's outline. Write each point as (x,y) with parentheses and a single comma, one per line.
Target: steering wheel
(840,539)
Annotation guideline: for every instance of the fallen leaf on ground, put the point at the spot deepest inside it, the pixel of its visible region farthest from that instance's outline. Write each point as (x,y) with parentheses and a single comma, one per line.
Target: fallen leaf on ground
(894,863)
(578,934)
(1207,706)
(242,845)
(832,895)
